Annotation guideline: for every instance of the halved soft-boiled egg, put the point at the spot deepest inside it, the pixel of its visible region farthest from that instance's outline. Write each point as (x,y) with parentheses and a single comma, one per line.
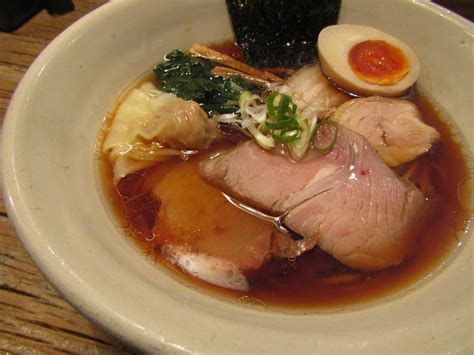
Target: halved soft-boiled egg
(366,61)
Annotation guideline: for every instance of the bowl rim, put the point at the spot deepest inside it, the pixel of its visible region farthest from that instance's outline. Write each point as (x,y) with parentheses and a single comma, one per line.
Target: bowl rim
(18,211)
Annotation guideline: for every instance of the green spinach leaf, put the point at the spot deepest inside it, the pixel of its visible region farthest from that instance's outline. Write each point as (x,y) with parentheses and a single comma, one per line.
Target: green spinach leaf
(191,78)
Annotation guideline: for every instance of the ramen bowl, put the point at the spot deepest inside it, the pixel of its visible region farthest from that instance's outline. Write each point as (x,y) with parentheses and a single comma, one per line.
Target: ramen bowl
(56,203)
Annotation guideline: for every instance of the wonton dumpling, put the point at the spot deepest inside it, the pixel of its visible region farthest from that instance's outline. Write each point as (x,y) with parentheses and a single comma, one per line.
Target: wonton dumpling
(148,122)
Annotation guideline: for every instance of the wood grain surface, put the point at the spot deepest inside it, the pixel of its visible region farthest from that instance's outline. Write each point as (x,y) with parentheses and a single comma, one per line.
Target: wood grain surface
(33,317)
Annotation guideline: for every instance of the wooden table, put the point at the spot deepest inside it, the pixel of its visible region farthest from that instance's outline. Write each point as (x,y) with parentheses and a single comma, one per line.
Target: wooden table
(33,317)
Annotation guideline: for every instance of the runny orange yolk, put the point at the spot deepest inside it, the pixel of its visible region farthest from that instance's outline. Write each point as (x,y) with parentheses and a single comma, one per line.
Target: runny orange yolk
(378,62)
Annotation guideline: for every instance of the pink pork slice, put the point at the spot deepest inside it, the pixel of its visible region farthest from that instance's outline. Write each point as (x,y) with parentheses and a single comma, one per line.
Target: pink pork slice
(347,201)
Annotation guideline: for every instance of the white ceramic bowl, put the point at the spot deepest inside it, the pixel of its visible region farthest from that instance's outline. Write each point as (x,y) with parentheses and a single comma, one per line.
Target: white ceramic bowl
(54,199)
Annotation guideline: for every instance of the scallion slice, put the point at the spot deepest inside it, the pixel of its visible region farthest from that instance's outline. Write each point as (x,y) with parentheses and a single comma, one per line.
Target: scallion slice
(277,121)
(329,147)
(282,120)
(263,140)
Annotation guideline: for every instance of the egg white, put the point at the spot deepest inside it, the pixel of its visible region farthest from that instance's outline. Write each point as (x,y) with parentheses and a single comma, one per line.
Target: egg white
(334,44)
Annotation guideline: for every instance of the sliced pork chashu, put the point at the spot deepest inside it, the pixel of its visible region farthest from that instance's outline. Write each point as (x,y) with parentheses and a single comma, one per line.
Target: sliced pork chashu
(392,126)
(348,201)
(312,92)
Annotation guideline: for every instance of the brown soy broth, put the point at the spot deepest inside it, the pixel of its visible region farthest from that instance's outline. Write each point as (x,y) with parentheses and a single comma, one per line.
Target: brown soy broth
(315,279)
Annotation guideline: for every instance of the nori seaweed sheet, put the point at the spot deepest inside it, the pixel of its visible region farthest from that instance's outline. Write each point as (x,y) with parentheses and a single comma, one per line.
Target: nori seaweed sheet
(280,33)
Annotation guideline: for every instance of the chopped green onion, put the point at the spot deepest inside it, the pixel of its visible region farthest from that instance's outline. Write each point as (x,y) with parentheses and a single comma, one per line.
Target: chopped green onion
(282,118)
(270,106)
(288,124)
(283,107)
(277,120)
(263,128)
(286,137)
(244,96)
(329,147)
(299,147)
(263,140)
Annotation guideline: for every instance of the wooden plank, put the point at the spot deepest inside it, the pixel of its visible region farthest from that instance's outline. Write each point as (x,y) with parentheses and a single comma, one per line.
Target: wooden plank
(33,316)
